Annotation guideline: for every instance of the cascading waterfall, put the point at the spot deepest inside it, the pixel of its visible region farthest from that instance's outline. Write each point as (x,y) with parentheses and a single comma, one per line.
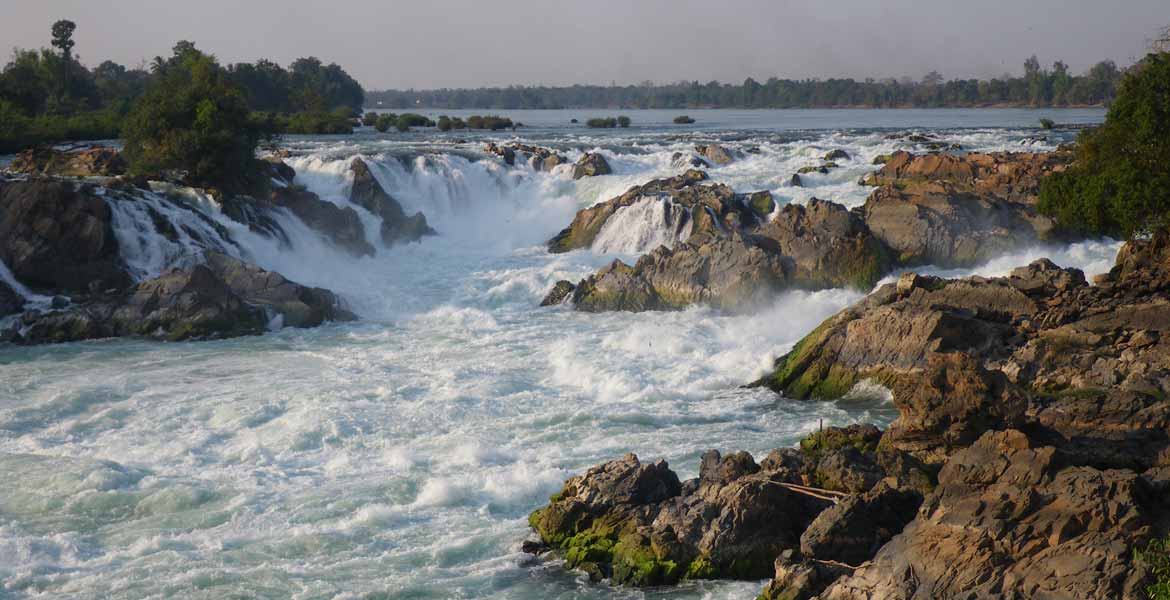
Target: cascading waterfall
(646,224)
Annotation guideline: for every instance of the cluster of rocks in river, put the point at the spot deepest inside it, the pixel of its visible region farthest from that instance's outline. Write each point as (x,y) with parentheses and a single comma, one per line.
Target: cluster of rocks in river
(939,209)
(544,159)
(1030,457)
(57,238)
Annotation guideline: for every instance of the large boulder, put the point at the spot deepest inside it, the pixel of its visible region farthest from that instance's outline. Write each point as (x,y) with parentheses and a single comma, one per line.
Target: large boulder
(297,305)
(369,194)
(715,153)
(951,210)
(734,273)
(826,245)
(92,162)
(59,235)
(637,525)
(591,164)
(222,298)
(179,305)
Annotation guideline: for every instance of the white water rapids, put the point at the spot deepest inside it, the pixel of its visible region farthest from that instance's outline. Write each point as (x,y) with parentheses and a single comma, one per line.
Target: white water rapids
(399,456)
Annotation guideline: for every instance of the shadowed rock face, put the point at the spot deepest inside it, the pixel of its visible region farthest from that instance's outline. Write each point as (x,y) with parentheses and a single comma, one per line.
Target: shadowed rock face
(949,210)
(222,298)
(397,227)
(58,235)
(10,301)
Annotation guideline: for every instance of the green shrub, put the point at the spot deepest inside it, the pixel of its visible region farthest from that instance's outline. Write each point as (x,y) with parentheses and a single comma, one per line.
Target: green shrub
(1119,184)
(370,119)
(192,118)
(623,121)
(598,123)
(444,123)
(1157,557)
(18,132)
(492,122)
(408,120)
(1047,124)
(683,120)
(318,123)
(385,122)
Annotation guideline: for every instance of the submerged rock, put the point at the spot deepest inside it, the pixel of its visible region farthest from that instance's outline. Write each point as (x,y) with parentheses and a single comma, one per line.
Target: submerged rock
(591,165)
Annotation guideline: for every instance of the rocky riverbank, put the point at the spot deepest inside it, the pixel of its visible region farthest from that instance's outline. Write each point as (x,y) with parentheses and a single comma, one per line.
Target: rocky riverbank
(60,239)
(1030,458)
(730,249)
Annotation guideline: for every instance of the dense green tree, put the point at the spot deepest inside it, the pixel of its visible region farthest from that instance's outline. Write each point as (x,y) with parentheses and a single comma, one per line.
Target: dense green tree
(1120,182)
(194,119)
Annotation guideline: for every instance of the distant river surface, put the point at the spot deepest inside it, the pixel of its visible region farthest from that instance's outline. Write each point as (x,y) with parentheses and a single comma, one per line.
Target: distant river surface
(399,456)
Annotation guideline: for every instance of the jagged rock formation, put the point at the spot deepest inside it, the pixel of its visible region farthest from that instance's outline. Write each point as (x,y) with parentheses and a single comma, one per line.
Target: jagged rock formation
(715,153)
(369,194)
(638,525)
(733,257)
(938,209)
(948,210)
(1030,458)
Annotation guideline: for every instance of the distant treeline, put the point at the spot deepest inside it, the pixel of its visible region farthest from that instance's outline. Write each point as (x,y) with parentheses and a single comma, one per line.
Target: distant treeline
(1038,87)
(48,95)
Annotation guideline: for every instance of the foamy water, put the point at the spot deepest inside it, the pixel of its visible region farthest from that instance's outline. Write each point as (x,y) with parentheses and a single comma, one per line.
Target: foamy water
(398,456)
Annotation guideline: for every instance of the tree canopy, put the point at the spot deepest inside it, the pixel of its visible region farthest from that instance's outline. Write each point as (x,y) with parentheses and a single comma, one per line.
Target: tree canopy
(1119,184)
(193,118)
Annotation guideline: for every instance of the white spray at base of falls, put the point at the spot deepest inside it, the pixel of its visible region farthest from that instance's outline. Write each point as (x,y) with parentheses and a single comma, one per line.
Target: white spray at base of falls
(648,223)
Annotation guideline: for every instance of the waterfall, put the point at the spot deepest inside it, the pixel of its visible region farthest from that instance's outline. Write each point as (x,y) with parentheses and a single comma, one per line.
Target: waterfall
(650,222)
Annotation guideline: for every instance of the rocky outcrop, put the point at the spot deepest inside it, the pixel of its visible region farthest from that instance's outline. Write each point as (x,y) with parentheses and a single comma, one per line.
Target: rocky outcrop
(91,162)
(222,298)
(397,227)
(1030,458)
(715,153)
(591,164)
(560,292)
(733,258)
(638,525)
(58,235)
(948,210)
(539,158)
(297,305)
(341,226)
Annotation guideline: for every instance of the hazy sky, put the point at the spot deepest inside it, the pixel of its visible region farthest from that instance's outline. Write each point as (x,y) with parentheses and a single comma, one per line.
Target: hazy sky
(468,43)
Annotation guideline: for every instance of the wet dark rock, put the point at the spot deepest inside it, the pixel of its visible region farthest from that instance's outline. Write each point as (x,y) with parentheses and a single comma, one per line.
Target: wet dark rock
(397,227)
(560,292)
(591,165)
(341,226)
(10,301)
(298,305)
(58,235)
(837,154)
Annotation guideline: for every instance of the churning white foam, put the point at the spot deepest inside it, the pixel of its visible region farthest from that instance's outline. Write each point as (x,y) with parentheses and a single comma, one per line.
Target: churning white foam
(648,223)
